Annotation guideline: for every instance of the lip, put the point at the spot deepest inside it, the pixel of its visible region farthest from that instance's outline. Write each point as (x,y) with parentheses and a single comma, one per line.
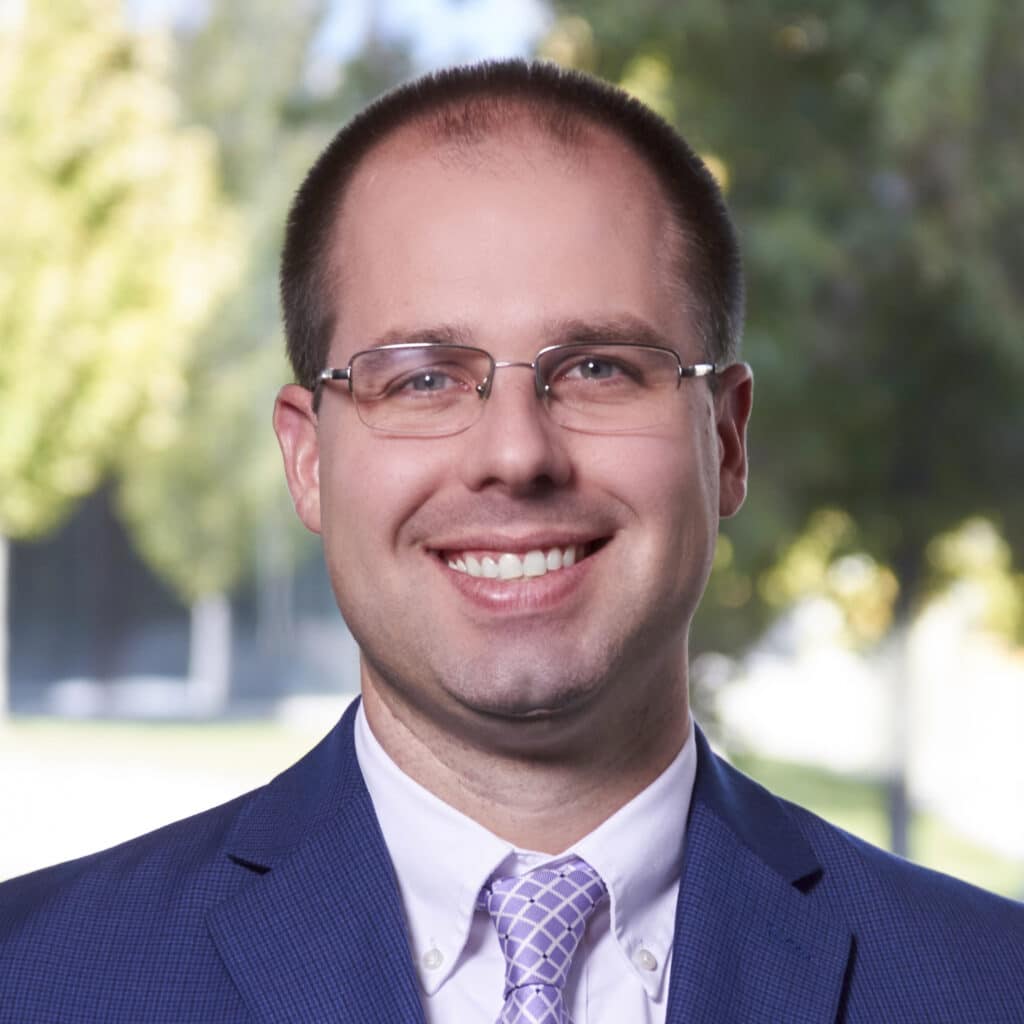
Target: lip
(517,544)
(519,597)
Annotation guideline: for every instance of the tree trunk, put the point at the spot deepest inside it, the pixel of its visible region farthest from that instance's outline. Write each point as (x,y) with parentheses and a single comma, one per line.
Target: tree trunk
(909,567)
(209,660)
(897,797)
(5,690)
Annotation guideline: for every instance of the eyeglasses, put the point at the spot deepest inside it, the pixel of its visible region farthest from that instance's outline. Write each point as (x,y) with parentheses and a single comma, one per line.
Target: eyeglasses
(422,389)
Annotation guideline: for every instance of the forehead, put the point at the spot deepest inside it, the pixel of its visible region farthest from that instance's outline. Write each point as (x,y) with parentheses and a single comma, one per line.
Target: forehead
(517,147)
(561,221)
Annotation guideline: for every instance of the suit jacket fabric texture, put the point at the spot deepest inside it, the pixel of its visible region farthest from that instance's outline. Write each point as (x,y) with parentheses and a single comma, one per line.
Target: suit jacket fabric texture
(282,906)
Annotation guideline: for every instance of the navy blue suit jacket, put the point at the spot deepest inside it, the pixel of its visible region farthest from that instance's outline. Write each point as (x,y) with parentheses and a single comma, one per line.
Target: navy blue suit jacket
(282,906)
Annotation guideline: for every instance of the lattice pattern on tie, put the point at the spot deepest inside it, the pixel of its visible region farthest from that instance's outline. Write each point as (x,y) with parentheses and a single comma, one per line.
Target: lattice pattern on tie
(540,918)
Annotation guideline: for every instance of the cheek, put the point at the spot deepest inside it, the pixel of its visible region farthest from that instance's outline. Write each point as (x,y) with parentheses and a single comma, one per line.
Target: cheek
(370,487)
(662,478)
(674,497)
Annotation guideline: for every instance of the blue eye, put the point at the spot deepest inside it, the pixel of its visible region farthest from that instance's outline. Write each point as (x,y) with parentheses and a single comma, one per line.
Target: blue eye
(430,381)
(435,382)
(597,369)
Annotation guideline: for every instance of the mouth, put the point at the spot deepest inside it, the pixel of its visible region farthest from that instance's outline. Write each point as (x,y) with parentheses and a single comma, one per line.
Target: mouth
(518,566)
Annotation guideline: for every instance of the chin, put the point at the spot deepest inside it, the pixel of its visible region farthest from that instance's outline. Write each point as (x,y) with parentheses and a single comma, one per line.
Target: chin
(518,707)
(514,695)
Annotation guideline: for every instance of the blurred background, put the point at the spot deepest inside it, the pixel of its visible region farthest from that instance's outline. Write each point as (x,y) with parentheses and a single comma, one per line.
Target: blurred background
(168,637)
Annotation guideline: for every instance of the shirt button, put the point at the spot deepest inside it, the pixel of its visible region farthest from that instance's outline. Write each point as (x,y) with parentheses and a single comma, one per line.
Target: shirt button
(645,960)
(432,959)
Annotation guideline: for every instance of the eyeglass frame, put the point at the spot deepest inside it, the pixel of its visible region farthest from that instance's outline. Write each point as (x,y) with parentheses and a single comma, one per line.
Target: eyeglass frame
(483,389)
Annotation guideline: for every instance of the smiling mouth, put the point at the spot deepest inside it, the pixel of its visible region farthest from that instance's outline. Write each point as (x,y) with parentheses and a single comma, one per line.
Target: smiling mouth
(508,566)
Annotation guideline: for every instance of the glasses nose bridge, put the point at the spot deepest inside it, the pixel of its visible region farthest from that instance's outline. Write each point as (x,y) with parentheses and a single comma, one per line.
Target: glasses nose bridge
(538,385)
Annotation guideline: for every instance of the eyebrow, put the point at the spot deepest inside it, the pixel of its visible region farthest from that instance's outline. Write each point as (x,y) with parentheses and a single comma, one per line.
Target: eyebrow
(620,329)
(437,334)
(575,330)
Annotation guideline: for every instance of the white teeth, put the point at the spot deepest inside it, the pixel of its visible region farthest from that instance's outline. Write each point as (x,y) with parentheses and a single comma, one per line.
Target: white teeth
(510,566)
(534,564)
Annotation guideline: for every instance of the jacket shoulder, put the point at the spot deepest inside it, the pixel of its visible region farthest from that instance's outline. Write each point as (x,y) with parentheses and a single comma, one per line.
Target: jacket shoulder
(858,874)
(126,934)
(920,946)
(137,874)
(89,938)
(914,927)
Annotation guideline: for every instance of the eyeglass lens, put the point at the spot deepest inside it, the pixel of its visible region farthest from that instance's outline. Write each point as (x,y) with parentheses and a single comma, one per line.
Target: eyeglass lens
(434,390)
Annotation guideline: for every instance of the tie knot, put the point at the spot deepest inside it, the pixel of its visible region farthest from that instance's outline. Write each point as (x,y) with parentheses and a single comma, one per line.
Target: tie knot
(540,918)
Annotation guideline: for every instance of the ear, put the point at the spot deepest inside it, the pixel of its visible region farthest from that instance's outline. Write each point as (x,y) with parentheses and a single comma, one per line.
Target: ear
(295,424)
(733,400)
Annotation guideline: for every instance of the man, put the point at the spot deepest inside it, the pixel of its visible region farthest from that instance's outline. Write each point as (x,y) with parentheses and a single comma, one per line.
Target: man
(513,302)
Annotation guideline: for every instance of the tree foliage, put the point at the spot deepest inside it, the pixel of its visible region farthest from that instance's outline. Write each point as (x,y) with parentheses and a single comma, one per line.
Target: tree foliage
(211,508)
(872,159)
(114,244)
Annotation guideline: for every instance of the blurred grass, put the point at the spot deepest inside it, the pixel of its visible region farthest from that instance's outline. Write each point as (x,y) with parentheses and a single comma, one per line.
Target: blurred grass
(859,806)
(237,747)
(138,775)
(71,788)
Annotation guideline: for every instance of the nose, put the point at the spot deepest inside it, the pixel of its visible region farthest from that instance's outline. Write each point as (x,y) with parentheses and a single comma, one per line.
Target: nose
(515,444)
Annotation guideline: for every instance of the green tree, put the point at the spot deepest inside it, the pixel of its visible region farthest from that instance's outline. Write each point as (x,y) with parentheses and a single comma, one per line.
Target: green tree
(210,508)
(115,243)
(873,161)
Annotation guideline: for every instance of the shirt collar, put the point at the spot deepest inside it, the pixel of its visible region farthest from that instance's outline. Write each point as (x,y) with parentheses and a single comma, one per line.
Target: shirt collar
(638,852)
(442,858)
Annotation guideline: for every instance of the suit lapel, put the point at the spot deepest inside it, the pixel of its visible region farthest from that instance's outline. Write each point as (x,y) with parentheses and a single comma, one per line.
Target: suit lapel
(751,943)
(317,933)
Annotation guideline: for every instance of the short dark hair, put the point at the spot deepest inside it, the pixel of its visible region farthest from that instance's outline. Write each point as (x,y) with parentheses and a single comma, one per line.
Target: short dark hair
(468,104)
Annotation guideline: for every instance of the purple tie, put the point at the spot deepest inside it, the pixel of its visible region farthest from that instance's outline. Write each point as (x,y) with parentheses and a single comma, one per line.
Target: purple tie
(541,917)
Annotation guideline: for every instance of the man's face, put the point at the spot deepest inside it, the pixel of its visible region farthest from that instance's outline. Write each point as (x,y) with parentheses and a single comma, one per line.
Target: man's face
(510,246)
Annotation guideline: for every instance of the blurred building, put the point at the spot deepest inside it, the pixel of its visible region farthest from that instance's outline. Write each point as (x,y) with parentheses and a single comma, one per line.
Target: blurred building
(95,633)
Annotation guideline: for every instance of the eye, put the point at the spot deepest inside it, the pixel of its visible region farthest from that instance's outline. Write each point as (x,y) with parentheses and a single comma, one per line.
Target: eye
(437,381)
(598,368)
(592,368)
(429,380)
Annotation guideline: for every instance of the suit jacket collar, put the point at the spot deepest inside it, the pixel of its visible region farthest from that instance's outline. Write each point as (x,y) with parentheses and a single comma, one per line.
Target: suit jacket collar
(751,943)
(318,932)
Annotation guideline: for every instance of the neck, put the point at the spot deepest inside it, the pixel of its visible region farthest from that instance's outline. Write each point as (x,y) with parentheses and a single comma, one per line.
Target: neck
(573,778)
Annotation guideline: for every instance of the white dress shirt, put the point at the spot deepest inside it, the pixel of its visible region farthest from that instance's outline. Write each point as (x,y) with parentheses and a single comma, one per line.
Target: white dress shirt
(442,859)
